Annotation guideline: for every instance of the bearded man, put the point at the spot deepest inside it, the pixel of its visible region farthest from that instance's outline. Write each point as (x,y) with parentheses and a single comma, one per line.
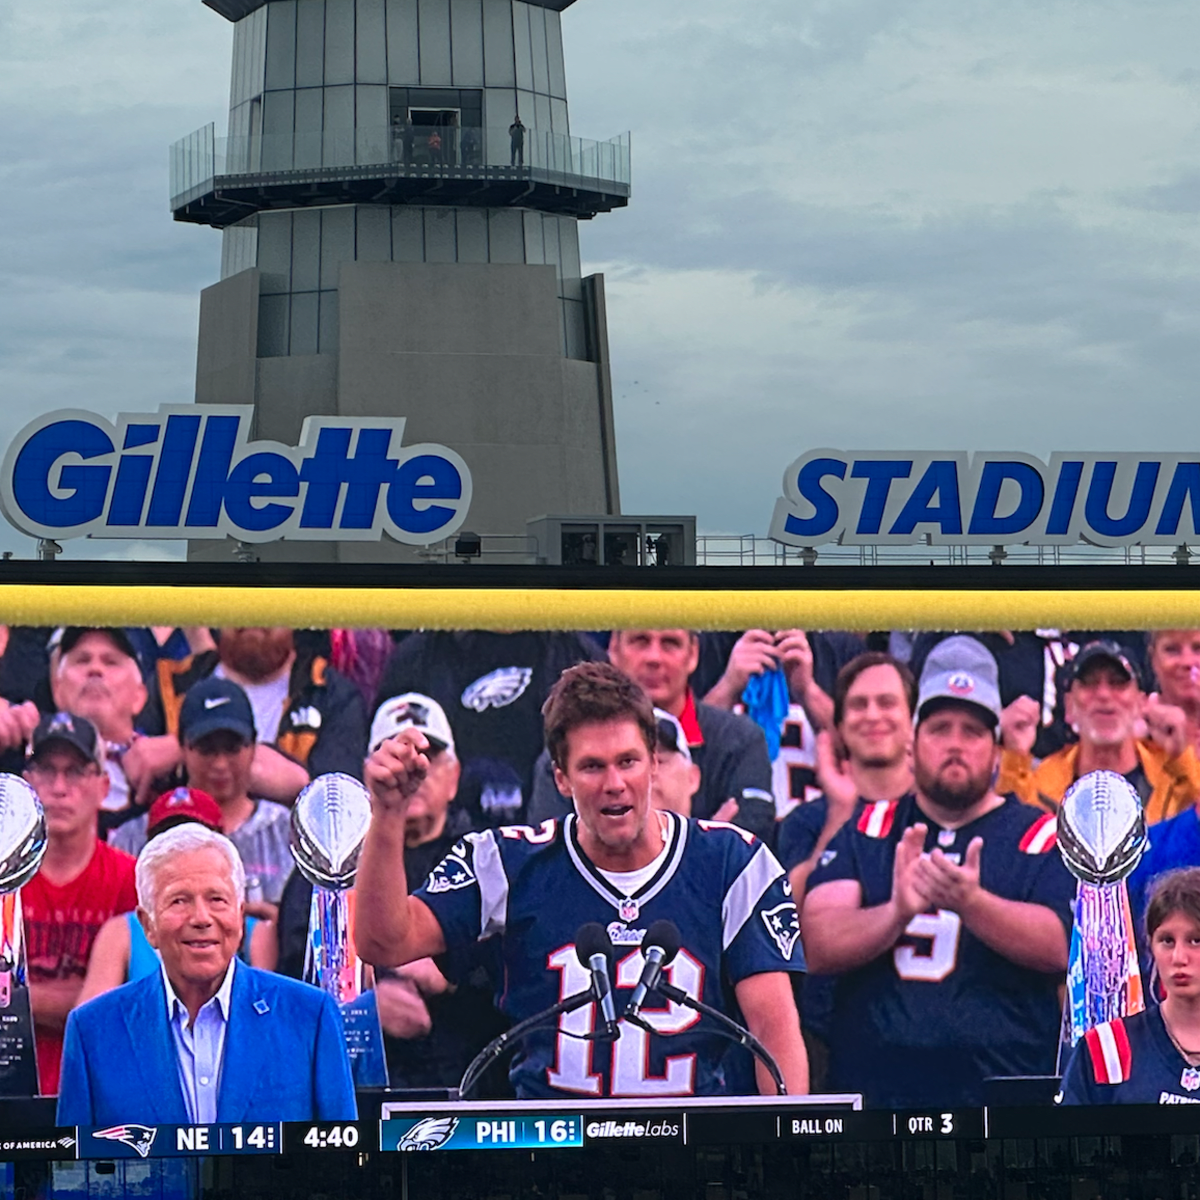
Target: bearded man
(946,914)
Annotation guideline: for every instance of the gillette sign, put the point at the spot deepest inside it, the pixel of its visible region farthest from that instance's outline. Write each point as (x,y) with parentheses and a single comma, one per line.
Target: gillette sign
(193,472)
(887,498)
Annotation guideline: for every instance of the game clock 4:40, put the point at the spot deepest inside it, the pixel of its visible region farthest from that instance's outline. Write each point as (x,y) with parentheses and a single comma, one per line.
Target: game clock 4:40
(325,1135)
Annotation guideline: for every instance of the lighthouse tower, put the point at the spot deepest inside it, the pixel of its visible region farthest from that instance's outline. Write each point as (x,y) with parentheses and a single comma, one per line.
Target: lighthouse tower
(399,195)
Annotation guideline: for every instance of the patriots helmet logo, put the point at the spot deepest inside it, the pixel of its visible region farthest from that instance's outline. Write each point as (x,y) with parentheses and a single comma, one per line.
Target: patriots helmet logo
(497,689)
(429,1134)
(783,924)
(137,1137)
(452,873)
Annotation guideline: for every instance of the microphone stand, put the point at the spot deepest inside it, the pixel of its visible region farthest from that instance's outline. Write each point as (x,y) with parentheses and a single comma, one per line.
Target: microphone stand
(729,1028)
(499,1044)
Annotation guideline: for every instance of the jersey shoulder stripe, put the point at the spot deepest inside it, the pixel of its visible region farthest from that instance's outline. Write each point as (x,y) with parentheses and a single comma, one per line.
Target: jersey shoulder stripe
(877,818)
(1108,1049)
(1041,836)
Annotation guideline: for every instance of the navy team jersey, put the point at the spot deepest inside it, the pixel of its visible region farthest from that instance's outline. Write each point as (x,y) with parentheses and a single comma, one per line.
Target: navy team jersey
(927,1022)
(1131,1060)
(532,888)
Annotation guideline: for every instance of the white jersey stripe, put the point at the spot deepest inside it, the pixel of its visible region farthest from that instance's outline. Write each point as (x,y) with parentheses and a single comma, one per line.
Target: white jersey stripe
(493,883)
(1112,1056)
(875,819)
(745,893)
(1043,837)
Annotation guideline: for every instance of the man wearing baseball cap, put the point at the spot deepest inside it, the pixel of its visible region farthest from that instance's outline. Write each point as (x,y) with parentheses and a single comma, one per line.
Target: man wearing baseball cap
(945,914)
(80,883)
(677,778)
(1109,713)
(217,746)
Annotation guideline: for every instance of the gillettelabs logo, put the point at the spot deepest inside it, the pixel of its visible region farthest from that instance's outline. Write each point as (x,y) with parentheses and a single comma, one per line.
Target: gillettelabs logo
(192,472)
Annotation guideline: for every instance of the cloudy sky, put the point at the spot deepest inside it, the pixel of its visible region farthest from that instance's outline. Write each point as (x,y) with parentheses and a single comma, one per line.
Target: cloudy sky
(861,224)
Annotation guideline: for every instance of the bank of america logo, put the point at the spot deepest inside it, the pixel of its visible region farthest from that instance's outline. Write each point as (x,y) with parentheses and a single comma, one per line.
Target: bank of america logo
(137,1137)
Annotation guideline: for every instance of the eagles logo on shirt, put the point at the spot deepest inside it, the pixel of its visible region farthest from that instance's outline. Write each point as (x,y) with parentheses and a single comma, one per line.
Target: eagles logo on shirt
(497,689)
(452,873)
(783,924)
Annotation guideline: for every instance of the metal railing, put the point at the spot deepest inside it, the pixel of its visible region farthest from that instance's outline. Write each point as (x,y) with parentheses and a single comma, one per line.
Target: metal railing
(201,157)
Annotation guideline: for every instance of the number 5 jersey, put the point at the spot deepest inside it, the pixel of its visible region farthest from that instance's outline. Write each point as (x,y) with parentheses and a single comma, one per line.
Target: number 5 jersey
(927,1022)
(528,890)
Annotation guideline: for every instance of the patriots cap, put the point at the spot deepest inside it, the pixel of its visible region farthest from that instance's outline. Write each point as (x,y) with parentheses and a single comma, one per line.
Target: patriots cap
(65,639)
(63,728)
(411,711)
(962,669)
(183,804)
(1105,651)
(670,734)
(214,705)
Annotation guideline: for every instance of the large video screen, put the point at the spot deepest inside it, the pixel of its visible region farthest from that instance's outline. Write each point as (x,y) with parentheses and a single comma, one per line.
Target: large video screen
(265,875)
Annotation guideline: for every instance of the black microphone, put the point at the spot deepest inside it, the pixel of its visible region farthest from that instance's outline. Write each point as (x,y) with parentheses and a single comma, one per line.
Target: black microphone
(660,946)
(594,949)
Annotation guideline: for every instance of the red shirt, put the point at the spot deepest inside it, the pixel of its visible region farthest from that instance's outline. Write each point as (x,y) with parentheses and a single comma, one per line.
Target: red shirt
(61,924)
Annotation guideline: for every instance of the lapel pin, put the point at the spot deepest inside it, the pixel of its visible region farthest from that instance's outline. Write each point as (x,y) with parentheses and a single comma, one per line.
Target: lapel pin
(261,1007)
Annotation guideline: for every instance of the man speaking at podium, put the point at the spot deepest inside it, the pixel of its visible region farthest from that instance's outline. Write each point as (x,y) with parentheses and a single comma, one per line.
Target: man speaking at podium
(206,1040)
(616,861)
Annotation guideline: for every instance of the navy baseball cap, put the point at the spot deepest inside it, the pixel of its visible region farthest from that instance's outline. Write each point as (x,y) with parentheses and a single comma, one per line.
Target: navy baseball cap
(215,705)
(66,639)
(1109,652)
(65,729)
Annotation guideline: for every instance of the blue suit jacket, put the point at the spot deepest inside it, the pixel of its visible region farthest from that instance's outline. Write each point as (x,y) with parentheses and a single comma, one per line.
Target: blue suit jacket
(284,1060)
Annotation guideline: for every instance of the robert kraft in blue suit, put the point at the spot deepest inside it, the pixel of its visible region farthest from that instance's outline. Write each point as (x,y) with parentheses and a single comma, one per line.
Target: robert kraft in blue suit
(207,1039)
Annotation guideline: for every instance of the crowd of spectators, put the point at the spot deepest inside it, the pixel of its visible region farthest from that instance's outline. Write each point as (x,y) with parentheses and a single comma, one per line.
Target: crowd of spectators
(907,782)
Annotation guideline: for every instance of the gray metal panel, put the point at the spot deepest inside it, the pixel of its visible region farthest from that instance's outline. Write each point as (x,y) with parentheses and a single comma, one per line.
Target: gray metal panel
(274,252)
(576,331)
(554,52)
(327,339)
(281,45)
(434,18)
(403,62)
(235,10)
(371,125)
(498,44)
(568,240)
(472,235)
(337,243)
(559,121)
(303,338)
(542,122)
(310,117)
(310,43)
(238,249)
(466,42)
(550,241)
(535,244)
(306,250)
(440,241)
(370,34)
(273,326)
(408,235)
(257,49)
(339,41)
(528,111)
(338,142)
(521,45)
(237,70)
(506,237)
(279,123)
(537,38)
(373,234)
(499,104)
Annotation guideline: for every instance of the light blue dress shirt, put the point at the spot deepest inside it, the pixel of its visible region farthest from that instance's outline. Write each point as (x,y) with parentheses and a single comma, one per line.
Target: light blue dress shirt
(200,1049)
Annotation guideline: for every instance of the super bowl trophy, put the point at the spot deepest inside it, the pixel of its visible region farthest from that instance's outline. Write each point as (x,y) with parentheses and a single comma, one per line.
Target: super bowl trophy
(22,846)
(329,822)
(1101,835)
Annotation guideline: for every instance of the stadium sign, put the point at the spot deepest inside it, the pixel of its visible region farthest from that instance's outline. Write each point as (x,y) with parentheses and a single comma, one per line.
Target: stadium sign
(193,472)
(864,498)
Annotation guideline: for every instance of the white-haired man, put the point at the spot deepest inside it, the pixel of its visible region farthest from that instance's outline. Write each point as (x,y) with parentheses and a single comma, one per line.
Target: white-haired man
(207,1039)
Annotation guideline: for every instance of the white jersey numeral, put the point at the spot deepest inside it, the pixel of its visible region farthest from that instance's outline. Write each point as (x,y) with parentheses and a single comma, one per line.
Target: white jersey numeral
(572,1069)
(932,965)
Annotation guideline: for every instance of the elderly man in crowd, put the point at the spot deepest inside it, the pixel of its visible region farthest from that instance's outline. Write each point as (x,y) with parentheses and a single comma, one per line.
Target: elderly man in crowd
(80,884)
(1108,709)
(206,1039)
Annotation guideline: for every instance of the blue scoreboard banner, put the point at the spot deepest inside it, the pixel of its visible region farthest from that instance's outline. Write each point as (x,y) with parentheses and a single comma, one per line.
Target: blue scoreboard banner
(493,1131)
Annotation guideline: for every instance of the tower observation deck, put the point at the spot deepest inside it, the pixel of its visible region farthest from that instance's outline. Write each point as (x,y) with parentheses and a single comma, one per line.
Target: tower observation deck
(398,193)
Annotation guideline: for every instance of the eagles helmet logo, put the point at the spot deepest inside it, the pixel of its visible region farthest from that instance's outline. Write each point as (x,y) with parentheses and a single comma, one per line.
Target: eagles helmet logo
(497,689)
(783,924)
(452,873)
(429,1134)
(137,1137)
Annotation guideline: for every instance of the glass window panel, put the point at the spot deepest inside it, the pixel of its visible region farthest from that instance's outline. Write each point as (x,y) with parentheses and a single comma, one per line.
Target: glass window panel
(306,250)
(506,237)
(337,243)
(370,56)
(310,43)
(273,326)
(440,239)
(535,247)
(327,334)
(472,235)
(303,339)
(537,39)
(498,64)
(408,235)
(466,42)
(339,41)
(435,41)
(338,142)
(274,252)
(373,228)
(554,52)
(521,46)
(402,42)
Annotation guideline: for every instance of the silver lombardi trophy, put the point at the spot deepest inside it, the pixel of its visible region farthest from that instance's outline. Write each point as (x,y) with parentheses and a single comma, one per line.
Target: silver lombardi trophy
(1102,835)
(22,846)
(329,823)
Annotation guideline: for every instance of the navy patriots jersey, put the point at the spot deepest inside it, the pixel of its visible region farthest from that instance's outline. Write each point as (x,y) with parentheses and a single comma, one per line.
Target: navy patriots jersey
(532,888)
(927,1022)
(1131,1060)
